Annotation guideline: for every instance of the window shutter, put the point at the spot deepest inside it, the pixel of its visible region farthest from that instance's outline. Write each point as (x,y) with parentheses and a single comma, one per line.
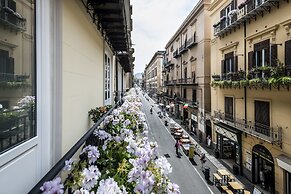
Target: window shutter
(274,55)
(235,63)
(250,60)
(10,65)
(288,53)
(222,67)
(222,13)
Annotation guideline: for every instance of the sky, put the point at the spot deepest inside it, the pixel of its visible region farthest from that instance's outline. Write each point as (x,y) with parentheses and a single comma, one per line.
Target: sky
(154,23)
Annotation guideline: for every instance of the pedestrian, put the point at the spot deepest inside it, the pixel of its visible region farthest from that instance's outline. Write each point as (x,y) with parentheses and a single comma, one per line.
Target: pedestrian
(208,139)
(177,146)
(203,160)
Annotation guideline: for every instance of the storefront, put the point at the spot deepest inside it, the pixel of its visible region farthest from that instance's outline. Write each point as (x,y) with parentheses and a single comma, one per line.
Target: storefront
(284,162)
(229,145)
(263,168)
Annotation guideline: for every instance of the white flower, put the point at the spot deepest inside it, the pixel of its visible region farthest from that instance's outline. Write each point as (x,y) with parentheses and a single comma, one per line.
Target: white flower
(91,175)
(109,186)
(163,164)
(68,164)
(53,187)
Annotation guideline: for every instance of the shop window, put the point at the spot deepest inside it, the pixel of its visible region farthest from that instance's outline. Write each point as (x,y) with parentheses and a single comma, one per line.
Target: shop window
(17,74)
(228,106)
(262,117)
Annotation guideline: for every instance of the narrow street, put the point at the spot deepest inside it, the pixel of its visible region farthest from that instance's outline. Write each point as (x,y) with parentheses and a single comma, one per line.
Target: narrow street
(185,174)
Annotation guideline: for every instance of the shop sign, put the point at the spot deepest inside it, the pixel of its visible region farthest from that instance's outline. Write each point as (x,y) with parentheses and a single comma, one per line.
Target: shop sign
(194,117)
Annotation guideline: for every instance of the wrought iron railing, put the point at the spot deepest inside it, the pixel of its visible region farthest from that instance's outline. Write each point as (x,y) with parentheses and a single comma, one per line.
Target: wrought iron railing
(186,81)
(261,131)
(183,48)
(191,42)
(12,19)
(60,164)
(176,54)
(9,77)
(251,9)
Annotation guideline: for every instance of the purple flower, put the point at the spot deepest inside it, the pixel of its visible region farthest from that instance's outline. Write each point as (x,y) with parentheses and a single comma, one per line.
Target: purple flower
(92,153)
(173,188)
(68,165)
(53,187)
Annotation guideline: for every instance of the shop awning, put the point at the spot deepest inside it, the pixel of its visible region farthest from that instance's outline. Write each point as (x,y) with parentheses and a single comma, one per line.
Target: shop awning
(284,162)
(227,127)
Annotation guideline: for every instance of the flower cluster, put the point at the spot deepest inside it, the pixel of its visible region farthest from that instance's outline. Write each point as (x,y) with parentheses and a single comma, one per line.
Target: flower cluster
(26,102)
(124,162)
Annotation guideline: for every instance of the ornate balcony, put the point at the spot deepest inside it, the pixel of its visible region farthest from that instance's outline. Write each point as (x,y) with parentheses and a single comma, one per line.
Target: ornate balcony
(186,81)
(266,133)
(12,19)
(191,42)
(246,11)
(183,49)
(176,54)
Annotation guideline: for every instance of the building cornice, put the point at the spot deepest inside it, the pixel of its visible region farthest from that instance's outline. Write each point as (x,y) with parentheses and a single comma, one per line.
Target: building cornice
(265,31)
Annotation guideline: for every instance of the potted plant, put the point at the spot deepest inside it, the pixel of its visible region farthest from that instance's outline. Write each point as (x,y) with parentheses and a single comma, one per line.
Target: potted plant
(8,119)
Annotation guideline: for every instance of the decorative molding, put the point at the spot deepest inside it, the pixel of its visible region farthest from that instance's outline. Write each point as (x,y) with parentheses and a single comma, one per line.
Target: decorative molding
(270,30)
(287,25)
(229,46)
(10,45)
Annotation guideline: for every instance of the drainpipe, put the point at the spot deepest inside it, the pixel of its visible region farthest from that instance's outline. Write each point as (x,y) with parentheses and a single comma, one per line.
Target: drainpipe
(245,89)
(121,82)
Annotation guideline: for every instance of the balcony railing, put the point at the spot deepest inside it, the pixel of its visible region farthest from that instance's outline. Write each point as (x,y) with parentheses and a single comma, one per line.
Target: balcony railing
(266,133)
(245,11)
(176,54)
(59,166)
(191,42)
(9,77)
(183,48)
(170,82)
(12,19)
(186,81)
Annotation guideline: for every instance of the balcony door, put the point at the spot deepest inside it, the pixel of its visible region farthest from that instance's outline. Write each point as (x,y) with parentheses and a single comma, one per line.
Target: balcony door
(228,108)
(262,117)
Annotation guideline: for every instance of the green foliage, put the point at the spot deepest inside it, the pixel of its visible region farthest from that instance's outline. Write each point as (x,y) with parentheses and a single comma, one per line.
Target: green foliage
(96,113)
(13,85)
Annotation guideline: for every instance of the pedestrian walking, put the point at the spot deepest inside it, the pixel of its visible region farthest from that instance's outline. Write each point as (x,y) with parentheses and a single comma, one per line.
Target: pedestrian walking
(203,160)
(177,146)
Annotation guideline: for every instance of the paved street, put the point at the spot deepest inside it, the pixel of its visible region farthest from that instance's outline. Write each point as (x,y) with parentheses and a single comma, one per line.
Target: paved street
(188,176)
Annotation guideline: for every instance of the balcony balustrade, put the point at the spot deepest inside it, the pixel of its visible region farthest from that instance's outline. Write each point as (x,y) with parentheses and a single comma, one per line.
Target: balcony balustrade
(176,54)
(12,19)
(266,133)
(186,81)
(8,77)
(170,82)
(245,12)
(183,48)
(191,42)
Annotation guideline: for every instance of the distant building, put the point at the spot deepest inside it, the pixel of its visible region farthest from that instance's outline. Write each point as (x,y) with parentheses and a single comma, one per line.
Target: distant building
(186,72)
(153,75)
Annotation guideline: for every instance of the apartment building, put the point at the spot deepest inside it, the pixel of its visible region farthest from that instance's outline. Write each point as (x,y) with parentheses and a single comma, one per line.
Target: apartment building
(153,75)
(186,72)
(250,97)
(58,59)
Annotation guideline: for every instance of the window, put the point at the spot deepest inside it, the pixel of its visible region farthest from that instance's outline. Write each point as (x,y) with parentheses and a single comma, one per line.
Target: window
(262,117)
(17,73)
(229,64)
(228,107)
(107,78)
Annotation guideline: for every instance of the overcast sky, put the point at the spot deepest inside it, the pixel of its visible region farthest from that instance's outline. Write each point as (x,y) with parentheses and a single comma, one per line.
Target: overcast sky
(154,23)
